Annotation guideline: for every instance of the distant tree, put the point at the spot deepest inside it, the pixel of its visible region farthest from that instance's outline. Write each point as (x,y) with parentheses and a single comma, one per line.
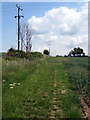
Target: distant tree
(65,56)
(58,56)
(46,52)
(26,35)
(11,50)
(76,52)
(28,39)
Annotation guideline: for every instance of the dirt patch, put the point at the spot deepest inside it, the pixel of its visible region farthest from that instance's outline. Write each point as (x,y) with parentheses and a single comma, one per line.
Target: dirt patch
(52,117)
(63,91)
(46,94)
(55,108)
(85,106)
(55,84)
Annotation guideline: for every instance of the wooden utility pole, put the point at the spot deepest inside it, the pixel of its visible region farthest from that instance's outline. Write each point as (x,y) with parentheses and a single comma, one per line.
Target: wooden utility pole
(19,16)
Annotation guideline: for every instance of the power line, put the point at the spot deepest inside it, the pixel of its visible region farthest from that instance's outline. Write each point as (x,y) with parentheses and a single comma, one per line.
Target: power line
(19,16)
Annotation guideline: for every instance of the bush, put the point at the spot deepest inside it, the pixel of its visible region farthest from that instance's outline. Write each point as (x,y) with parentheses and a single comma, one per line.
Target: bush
(14,54)
(58,56)
(33,55)
(46,52)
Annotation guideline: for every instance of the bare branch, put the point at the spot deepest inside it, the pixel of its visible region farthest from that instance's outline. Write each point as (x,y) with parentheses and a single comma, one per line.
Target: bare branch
(26,36)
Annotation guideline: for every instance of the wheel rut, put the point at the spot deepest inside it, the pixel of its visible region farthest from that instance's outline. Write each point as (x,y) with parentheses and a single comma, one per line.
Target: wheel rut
(55,108)
(85,106)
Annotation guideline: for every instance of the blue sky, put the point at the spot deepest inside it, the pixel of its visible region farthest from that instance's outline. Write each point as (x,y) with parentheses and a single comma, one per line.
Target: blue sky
(30,9)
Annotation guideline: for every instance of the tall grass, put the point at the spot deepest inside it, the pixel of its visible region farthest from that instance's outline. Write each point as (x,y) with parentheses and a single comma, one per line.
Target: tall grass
(28,89)
(25,86)
(0,87)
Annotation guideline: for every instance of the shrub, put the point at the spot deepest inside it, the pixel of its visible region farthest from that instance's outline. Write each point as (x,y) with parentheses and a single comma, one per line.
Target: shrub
(46,52)
(33,55)
(12,54)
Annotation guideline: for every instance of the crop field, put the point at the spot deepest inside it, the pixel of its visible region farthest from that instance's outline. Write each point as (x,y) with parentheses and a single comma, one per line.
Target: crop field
(78,71)
(50,87)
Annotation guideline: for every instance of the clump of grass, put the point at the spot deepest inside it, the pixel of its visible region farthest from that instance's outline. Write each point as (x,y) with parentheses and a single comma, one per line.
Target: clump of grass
(73,113)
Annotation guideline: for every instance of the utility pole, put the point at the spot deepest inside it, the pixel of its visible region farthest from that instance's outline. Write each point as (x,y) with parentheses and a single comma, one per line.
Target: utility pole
(49,48)
(19,16)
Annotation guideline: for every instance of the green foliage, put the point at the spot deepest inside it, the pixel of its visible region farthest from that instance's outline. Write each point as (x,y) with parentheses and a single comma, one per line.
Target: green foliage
(79,73)
(46,52)
(77,52)
(13,54)
(34,55)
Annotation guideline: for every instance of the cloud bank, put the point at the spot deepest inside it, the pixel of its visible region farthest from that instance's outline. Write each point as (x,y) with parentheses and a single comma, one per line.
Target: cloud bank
(63,27)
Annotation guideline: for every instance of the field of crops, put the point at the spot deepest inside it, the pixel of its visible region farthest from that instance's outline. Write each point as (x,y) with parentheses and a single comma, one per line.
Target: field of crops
(44,88)
(78,71)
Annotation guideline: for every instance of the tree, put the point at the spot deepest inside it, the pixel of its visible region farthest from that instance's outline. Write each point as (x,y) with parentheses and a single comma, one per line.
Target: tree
(28,39)
(78,52)
(26,36)
(46,52)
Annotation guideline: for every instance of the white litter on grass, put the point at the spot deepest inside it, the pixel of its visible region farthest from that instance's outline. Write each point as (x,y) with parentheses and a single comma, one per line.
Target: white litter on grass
(11,84)
(14,84)
(18,83)
(11,87)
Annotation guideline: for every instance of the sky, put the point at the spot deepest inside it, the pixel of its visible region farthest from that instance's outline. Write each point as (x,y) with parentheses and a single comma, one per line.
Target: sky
(44,0)
(64,25)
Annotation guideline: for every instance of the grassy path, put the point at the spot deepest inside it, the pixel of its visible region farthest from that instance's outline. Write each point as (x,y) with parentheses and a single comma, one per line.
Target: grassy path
(44,91)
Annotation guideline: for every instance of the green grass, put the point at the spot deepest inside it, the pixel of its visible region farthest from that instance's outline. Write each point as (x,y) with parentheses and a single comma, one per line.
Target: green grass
(33,86)
(0,87)
(78,71)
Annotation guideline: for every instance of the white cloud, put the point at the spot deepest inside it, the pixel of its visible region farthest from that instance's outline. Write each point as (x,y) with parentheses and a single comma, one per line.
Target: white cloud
(64,27)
